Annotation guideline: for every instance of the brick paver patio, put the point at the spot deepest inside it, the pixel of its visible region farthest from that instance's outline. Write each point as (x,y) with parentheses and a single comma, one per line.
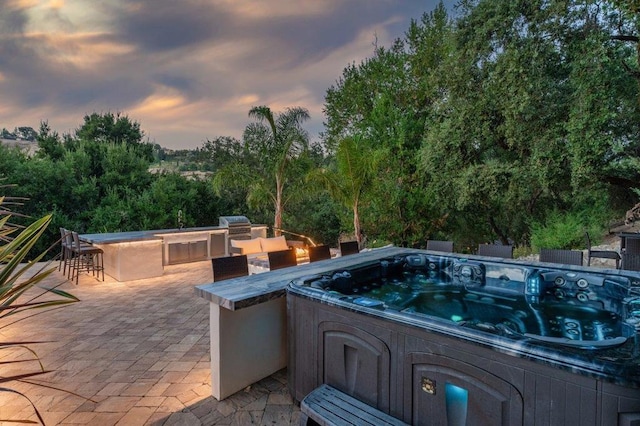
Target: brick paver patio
(138,353)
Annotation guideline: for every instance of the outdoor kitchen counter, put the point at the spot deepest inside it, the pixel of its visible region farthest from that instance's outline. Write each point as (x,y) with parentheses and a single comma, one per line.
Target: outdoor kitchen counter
(248,321)
(135,255)
(134,236)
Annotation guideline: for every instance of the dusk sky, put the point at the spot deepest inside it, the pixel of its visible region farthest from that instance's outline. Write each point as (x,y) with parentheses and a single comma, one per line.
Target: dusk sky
(186,70)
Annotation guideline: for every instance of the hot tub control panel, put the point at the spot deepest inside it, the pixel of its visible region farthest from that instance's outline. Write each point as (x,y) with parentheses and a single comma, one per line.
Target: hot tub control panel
(601,291)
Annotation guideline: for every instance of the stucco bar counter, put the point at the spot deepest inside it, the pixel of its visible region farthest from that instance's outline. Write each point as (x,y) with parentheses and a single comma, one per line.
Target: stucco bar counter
(248,321)
(136,255)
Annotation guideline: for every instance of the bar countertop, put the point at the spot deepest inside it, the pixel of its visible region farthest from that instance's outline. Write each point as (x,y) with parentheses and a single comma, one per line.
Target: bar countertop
(131,236)
(242,292)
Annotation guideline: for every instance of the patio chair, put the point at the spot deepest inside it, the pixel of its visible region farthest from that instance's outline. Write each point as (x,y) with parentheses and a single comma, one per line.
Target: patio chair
(600,254)
(632,246)
(565,257)
(496,250)
(282,259)
(630,261)
(319,253)
(439,245)
(349,247)
(228,267)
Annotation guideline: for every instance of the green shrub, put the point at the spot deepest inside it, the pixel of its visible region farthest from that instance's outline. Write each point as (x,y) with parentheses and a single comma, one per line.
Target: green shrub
(565,230)
(522,251)
(559,231)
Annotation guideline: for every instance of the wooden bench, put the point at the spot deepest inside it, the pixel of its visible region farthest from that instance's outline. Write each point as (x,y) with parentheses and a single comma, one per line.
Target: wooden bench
(328,406)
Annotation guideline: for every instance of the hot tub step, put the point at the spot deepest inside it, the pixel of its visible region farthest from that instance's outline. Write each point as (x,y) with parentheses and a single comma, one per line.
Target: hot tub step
(328,406)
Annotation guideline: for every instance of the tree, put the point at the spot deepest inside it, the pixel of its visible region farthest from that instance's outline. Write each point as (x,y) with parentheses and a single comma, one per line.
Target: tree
(221,151)
(534,116)
(110,128)
(49,143)
(388,99)
(271,150)
(287,141)
(354,167)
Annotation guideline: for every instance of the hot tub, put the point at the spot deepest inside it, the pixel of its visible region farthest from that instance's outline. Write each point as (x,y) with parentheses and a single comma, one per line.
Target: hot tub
(430,338)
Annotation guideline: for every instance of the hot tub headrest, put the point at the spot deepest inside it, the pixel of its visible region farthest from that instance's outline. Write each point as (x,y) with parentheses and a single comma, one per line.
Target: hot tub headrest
(342,282)
(391,267)
(468,273)
(427,264)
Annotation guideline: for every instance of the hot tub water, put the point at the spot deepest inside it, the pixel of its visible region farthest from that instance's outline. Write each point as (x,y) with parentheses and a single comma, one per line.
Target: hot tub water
(550,306)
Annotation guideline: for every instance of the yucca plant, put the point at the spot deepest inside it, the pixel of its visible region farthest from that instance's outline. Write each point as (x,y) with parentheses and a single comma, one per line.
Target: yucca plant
(21,293)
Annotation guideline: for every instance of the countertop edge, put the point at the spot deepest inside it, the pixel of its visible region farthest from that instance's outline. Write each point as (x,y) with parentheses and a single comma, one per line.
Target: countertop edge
(137,236)
(243,292)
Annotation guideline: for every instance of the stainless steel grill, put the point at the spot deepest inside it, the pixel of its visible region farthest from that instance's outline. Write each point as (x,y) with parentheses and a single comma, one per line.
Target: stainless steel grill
(239,227)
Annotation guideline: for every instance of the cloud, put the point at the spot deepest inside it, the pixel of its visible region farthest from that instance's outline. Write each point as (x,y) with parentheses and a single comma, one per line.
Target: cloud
(186,70)
(163,25)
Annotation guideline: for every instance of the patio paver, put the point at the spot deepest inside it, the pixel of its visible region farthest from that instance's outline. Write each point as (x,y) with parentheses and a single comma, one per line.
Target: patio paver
(138,354)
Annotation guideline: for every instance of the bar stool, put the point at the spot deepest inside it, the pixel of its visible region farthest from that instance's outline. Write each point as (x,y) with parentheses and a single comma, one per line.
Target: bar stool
(228,267)
(349,247)
(317,253)
(282,259)
(86,257)
(65,251)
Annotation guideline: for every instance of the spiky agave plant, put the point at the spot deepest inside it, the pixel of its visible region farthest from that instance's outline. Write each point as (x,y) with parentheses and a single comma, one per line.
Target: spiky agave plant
(20,291)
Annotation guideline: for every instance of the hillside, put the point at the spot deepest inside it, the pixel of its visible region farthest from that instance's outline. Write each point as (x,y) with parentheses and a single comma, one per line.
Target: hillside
(28,146)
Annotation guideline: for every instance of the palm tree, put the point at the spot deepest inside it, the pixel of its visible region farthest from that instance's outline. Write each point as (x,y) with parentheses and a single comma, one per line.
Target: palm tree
(273,142)
(354,167)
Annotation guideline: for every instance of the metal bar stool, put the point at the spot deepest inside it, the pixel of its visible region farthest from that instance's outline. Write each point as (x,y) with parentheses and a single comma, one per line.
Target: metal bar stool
(87,258)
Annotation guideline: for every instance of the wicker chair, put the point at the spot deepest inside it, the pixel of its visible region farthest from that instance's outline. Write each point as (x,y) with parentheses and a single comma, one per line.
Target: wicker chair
(228,267)
(349,247)
(496,250)
(631,261)
(438,245)
(632,246)
(319,253)
(566,257)
(282,259)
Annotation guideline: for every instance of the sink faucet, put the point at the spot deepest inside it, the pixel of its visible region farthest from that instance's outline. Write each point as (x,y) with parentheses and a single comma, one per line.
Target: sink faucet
(180,223)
